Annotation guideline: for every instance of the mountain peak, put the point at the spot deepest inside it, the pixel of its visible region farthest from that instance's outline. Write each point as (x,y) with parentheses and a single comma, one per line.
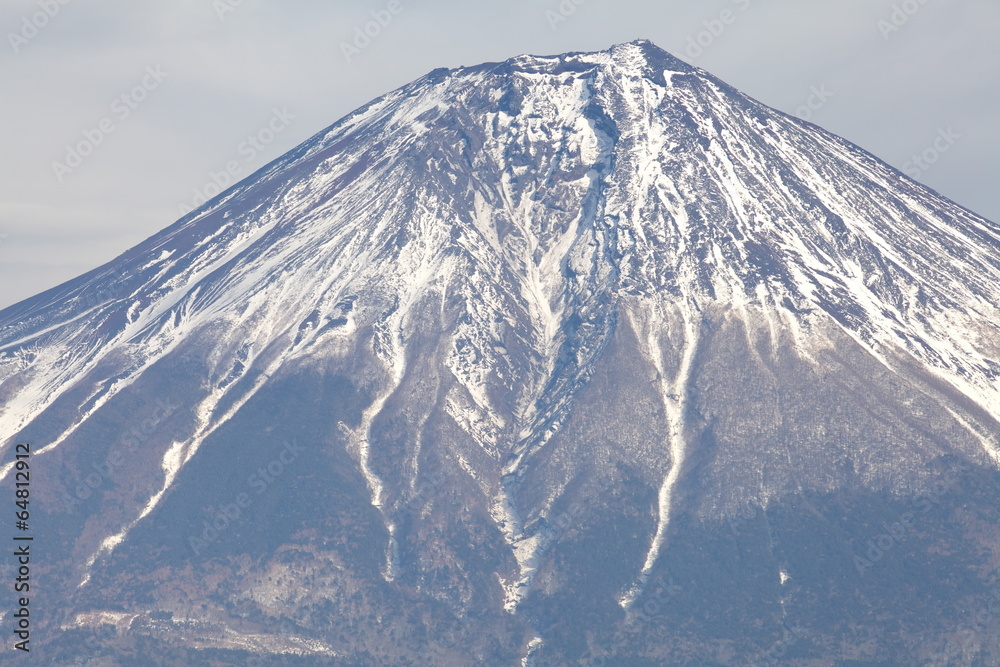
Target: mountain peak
(645,50)
(510,345)
(640,57)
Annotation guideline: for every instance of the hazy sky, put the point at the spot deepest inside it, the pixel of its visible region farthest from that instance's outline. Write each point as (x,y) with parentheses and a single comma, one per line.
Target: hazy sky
(159,95)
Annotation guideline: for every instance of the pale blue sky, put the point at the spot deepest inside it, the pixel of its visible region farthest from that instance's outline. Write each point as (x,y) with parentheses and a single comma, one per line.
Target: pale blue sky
(200,76)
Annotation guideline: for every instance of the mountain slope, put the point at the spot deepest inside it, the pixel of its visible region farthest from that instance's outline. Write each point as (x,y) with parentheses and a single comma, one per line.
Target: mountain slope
(524,339)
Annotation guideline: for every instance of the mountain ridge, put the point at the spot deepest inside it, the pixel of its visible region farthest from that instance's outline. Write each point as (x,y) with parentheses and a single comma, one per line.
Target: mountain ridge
(471,258)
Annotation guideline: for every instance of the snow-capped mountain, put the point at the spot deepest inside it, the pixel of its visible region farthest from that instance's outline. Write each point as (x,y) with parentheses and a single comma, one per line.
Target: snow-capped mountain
(487,367)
